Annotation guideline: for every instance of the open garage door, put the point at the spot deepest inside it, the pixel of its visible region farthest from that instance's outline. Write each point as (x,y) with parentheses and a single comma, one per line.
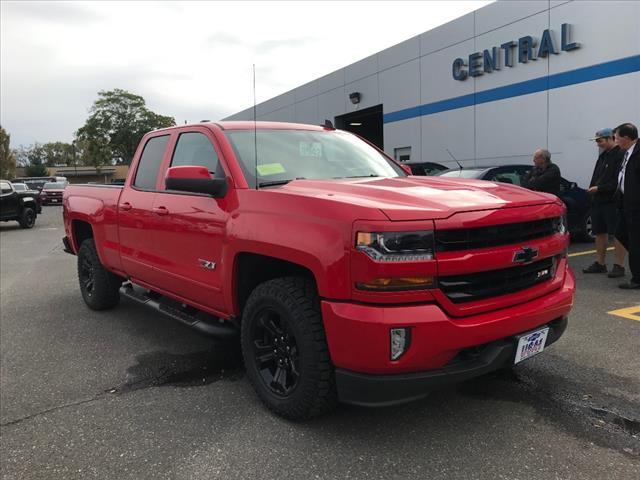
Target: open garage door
(366,122)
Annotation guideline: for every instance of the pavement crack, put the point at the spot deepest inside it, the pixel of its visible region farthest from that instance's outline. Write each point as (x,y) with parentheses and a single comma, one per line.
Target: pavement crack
(50,410)
(628,425)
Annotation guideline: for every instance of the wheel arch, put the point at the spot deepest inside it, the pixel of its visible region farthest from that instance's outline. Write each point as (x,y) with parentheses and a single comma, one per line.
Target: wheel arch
(252,269)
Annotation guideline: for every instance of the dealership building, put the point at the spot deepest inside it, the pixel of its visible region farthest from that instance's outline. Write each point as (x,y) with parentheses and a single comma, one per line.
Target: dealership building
(488,88)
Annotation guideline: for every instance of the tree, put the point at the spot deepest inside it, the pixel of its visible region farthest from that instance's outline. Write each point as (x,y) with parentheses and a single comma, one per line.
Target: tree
(57,154)
(36,162)
(92,153)
(7,157)
(117,122)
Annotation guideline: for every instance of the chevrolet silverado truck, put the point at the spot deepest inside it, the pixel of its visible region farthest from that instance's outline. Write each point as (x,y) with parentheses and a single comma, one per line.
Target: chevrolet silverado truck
(345,278)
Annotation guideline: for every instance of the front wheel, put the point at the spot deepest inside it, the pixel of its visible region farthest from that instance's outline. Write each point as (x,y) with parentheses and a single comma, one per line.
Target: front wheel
(285,350)
(28,218)
(100,288)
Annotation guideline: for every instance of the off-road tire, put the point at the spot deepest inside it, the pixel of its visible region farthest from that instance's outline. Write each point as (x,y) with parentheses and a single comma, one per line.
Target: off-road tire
(100,288)
(295,303)
(27,218)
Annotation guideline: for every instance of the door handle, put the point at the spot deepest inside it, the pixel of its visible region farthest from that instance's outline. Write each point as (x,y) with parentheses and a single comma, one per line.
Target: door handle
(160,211)
(125,207)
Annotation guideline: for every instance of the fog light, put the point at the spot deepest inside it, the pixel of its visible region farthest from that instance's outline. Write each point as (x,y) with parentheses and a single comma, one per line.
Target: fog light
(400,341)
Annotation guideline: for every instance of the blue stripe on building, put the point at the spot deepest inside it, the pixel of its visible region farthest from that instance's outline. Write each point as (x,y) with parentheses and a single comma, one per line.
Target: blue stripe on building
(558,80)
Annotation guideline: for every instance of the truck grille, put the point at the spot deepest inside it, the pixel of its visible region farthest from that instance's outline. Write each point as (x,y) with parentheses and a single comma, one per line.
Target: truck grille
(471,238)
(478,286)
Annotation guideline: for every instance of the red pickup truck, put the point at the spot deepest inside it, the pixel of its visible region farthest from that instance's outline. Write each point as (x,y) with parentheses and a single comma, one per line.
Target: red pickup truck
(345,278)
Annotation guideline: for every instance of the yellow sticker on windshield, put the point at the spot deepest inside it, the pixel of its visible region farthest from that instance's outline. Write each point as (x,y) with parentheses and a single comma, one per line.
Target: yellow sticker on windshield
(270,168)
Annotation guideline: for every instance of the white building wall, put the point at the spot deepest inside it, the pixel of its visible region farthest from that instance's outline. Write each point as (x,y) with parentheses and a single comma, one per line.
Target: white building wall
(445,115)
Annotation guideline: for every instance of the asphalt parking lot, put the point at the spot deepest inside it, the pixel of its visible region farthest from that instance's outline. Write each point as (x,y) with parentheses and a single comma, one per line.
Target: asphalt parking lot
(128,394)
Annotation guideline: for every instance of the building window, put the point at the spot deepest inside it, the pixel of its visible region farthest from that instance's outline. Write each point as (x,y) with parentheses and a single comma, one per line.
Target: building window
(402,154)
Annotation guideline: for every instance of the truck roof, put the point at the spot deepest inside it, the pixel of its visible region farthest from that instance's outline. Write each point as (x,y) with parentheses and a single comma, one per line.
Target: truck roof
(250,125)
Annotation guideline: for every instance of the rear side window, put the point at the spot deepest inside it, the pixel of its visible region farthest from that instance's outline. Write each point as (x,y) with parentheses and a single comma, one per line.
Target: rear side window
(150,161)
(5,187)
(196,149)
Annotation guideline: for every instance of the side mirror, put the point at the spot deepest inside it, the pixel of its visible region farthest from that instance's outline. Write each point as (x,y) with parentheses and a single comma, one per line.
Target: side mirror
(195,180)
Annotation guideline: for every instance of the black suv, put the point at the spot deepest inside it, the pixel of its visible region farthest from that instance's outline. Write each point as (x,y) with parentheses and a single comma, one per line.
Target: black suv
(14,205)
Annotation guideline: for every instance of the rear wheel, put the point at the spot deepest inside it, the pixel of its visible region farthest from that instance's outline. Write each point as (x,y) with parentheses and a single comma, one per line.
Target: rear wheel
(285,350)
(28,218)
(99,287)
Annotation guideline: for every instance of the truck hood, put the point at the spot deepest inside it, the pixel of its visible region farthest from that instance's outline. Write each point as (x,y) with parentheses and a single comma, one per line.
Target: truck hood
(419,198)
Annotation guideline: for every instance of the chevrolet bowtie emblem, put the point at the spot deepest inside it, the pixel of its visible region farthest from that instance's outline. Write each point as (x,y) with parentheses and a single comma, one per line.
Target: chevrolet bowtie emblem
(526,255)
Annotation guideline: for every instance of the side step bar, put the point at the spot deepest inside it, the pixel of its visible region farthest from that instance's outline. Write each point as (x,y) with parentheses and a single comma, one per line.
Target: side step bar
(208,326)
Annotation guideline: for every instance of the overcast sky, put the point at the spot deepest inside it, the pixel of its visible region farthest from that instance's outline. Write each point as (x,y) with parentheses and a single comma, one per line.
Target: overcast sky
(191,61)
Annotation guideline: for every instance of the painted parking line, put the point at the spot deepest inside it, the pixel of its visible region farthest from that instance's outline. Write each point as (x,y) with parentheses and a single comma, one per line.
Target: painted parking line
(632,313)
(588,252)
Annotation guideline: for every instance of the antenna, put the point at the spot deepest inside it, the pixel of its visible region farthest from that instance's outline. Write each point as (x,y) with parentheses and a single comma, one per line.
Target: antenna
(454,158)
(255,126)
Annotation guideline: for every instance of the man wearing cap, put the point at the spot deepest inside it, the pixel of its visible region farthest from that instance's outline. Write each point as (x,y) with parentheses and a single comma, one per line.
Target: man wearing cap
(602,189)
(628,192)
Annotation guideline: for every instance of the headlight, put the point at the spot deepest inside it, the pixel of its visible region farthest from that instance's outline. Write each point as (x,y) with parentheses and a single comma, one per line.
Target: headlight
(561,225)
(397,246)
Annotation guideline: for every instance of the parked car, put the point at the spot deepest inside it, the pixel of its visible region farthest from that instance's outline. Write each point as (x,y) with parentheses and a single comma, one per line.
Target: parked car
(16,205)
(575,198)
(36,183)
(23,187)
(425,168)
(52,192)
(345,278)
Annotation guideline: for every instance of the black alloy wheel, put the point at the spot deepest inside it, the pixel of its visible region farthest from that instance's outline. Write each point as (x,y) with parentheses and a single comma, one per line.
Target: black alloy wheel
(85,275)
(275,352)
(28,218)
(100,288)
(285,349)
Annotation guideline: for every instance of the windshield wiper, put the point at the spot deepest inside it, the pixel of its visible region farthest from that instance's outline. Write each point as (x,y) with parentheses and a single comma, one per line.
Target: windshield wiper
(362,176)
(278,182)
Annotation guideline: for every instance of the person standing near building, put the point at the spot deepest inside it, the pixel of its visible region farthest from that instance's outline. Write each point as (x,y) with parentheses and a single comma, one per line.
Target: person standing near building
(602,189)
(628,192)
(545,176)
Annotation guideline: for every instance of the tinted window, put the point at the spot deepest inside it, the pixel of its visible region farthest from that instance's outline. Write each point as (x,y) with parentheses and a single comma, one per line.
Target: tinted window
(426,168)
(196,149)
(150,161)
(504,175)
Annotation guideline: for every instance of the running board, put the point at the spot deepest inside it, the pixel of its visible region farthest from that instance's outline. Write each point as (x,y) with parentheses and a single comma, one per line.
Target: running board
(212,327)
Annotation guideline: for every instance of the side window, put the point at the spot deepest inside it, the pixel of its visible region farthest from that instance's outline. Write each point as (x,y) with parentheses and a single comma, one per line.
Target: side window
(150,161)
(506,175)
(417,169)
(196,149)
(5,188)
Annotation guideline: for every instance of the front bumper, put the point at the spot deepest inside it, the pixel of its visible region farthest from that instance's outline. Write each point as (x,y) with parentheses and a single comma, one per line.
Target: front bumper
(358,340)
(385,390)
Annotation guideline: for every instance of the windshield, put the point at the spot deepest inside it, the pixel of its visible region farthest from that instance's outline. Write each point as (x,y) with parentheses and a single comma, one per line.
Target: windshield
(466,173)
(20,187)
(53,186)
(285,155)
(35,184)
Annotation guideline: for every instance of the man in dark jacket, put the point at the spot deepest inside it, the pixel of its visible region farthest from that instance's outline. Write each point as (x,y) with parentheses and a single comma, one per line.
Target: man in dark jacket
(545,176)
(602,189)
(628,192)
